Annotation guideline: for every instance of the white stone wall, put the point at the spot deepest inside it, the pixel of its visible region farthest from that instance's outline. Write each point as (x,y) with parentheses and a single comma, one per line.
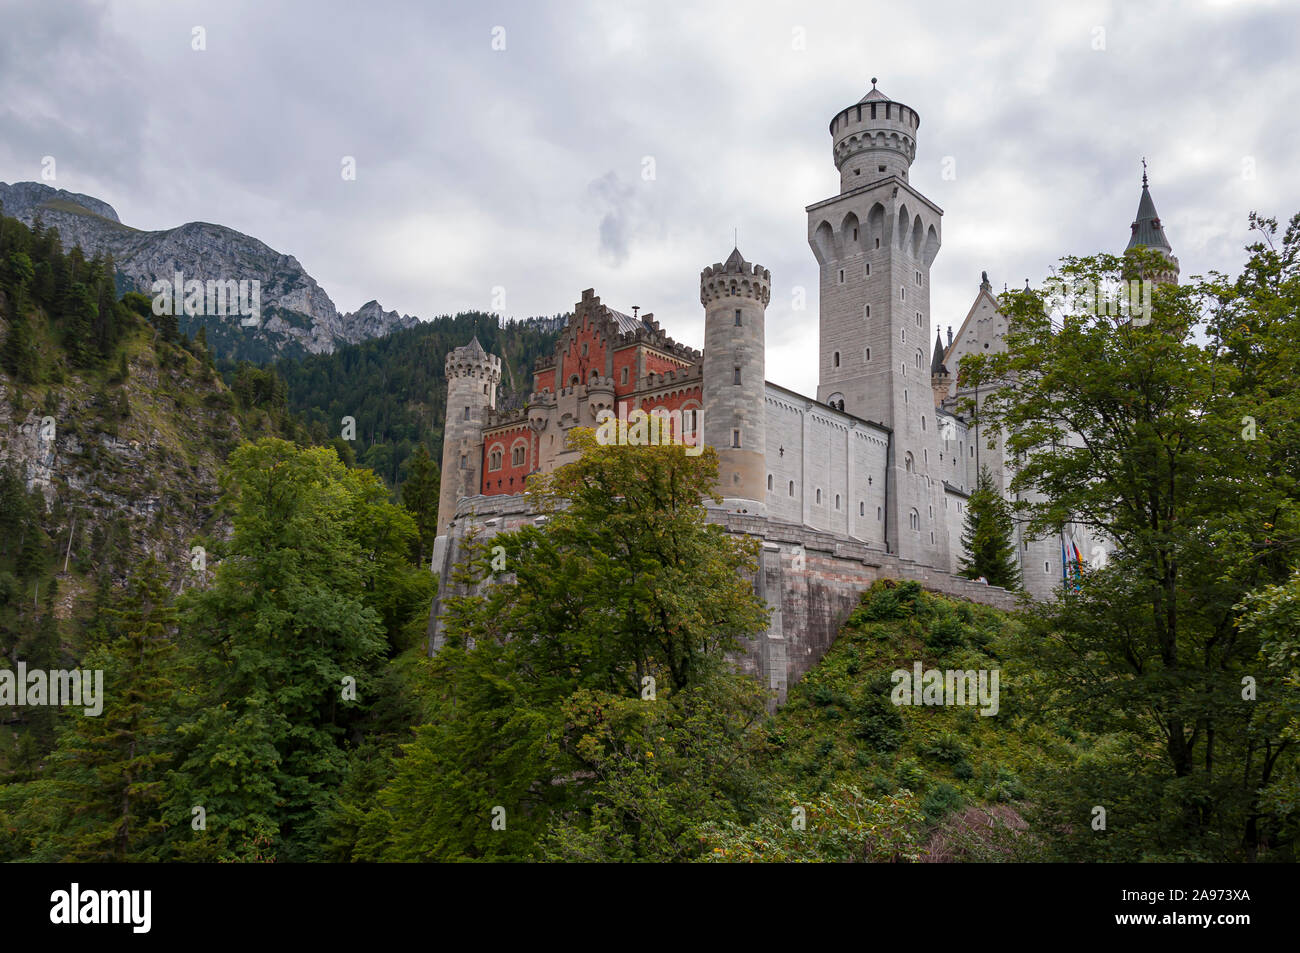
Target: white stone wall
(817,449)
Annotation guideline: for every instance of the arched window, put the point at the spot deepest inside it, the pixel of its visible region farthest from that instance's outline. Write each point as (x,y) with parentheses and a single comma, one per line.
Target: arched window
(914,520)
(837,359)
(819,497)
(862,509)
(769,483)
(494,460)
(908,462)
(837,501)
(792,487)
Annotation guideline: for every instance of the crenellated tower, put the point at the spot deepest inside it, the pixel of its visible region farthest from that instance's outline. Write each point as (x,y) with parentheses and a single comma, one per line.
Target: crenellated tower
(473,376)
(735,296)
(875,243)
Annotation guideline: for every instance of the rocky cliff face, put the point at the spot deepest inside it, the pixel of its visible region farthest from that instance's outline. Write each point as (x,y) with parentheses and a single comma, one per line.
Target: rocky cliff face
(296,316)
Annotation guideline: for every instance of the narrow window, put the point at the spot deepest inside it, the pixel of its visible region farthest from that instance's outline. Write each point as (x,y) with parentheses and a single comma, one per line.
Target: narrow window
(866,311)
(792,487)
(819,497)
(841,276)
(837,358)
(837,502)
(862,509)
(868,272)
(867,355)
(735,438)
(878,240)
(902,294)
(880,514)
(737,317)
(467,413)
(855,234)
(769,483)
(736,375)
(1047,568)
(918,277)
(625,375)
(922,422)
(464,461)
(902,335)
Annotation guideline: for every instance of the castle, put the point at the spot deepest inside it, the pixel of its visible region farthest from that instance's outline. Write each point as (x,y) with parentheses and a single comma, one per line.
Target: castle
(870,478)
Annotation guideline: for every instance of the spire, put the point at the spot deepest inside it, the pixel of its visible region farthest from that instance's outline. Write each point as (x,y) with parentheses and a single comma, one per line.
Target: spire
(736,262)
(874,94)
(936,365)
(1146,228)
(474,346)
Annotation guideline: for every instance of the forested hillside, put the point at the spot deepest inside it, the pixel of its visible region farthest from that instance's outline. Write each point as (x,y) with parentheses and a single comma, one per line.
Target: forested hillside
(113,430)
(395,388)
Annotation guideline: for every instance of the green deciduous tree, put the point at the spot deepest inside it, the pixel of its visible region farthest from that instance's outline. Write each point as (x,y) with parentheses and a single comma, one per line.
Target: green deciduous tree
(624,589)
(1140,431)
(287,641)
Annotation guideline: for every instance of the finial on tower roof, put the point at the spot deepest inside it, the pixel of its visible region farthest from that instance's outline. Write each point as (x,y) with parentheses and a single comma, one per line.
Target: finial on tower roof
(1144,172)
(873,82)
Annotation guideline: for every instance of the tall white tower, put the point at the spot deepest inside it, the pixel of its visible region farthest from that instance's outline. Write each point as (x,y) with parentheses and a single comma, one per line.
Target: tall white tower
(472,379)
(735,294)
(875,242)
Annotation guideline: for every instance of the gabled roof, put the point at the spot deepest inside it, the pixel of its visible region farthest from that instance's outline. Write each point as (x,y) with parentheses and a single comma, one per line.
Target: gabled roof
(986,291)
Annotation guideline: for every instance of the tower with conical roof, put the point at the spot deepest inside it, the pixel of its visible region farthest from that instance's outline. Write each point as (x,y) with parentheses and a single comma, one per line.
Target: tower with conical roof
(735,294)
(940,379)
(875,242)
(473,376)
(1147,231)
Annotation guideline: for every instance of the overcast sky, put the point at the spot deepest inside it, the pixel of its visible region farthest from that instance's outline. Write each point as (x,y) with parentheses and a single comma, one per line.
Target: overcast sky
(523,168)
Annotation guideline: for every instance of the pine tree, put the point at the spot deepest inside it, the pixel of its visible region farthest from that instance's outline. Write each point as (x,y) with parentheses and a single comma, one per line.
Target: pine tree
(988,538)
(108,768)
(420,496)
(18,356)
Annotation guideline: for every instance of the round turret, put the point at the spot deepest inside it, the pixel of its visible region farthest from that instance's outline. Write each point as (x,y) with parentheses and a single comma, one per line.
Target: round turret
(473,376)
(873,139)
(735,294)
